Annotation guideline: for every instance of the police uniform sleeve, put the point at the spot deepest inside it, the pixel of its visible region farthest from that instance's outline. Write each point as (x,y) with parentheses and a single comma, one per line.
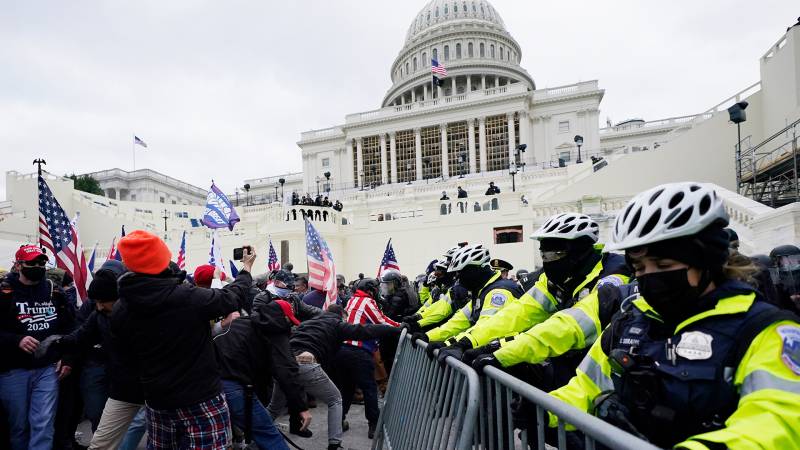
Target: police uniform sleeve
(458,323)
(439,311)
(592,377)
(534,307)
(573,328)
(768,378)
(424,298)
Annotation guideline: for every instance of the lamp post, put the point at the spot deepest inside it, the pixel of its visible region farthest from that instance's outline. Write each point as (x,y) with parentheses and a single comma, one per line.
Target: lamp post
(513,171)
(327,182)
(237,196)
(282,181)
(462,158)
(276,191)
(518,156)
(317,180)
(579,142)
(427,161)
(408,172)
(361,176)
(38,162)
(737,116)
(165,216)
(247,194)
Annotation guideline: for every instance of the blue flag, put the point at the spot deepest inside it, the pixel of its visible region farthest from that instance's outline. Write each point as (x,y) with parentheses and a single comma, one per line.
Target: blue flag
(219,211)
(118,255)
(234,270)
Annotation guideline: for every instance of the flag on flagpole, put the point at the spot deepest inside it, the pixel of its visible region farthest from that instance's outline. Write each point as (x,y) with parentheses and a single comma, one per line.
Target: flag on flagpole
(234,270)
(113,250)
(219,212)
(273,264)
(59,235)
(215,254)
(181,262)
(438,69)
(389,260)
(321,269)
(138,141)
(117,254)
(90,264)
(84,268)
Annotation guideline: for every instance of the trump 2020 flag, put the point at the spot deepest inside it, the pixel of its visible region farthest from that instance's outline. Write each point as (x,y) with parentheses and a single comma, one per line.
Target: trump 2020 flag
(389,260)
(215,254)
(219,211)
(321,269)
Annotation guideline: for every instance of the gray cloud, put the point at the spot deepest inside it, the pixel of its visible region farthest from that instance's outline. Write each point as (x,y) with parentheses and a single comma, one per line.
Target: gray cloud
(232,84)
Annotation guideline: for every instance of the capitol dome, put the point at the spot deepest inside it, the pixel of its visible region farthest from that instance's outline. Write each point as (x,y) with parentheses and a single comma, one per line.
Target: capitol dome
(469,38)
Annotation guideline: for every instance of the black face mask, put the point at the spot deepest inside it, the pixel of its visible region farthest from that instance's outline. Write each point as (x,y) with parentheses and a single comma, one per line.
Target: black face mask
(34,274)
(473,277)
(559,270)
(670,294)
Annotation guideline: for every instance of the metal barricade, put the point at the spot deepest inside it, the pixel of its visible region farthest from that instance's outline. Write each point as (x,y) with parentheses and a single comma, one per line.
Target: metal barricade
(428,406)
(496,431)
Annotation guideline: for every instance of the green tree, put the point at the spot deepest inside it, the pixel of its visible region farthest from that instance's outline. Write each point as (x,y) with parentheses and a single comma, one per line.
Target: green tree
(86,183)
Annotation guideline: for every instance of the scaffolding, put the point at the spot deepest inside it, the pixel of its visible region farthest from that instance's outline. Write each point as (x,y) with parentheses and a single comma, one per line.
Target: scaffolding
(767,172)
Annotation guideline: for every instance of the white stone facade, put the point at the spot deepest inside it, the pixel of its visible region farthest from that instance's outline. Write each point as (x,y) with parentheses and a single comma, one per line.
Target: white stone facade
(146,185)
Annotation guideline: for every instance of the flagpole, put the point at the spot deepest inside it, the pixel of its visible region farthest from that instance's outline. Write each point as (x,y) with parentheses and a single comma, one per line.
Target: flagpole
(133,150)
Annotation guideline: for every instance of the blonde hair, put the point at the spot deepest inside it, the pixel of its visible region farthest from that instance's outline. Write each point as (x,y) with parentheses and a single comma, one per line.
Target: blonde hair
(741,268)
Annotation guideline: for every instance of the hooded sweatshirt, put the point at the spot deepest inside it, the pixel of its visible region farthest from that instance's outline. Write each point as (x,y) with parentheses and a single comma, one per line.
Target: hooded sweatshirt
(166,325)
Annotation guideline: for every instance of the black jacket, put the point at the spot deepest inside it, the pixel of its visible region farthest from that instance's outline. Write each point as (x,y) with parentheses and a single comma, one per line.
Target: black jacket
(166,325)
(302,310)
(123,373)
(397,305)
(323,335)
(255,349)
(39,311)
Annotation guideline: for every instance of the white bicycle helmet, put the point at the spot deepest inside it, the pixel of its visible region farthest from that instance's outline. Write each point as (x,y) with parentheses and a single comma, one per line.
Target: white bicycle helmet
(568,226)
(471,255)
(441,264)
(667,211)
(448,255)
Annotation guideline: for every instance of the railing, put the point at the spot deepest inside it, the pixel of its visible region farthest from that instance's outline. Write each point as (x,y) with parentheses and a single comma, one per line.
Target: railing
(428,406)
(319,134)
(559,91)
(653,124)
(464,206)
(768,172)
(147,173)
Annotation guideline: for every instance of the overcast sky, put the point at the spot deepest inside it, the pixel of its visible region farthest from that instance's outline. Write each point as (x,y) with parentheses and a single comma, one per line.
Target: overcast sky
(222,90)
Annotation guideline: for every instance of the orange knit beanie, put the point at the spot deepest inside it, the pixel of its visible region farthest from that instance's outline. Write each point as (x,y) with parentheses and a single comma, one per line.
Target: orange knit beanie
(144,252)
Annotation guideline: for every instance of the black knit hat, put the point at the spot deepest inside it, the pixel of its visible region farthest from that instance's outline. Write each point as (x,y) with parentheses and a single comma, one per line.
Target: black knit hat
(103,287)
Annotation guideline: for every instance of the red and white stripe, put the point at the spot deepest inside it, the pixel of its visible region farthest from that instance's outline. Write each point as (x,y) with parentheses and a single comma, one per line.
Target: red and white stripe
(71,257)
(361,310)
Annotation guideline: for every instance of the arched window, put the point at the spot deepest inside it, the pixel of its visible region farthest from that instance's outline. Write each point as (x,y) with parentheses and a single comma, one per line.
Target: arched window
(465,7)
(415,64)
(424,59)
(508,56)
(482,50)
(458,51)
(445,10)
(447,53)
(491,51)
(501,52)
(470,51)
(473,7)
(429,17)
(483,13)
(455,8)
(436,14)
(407,72)
(436,54)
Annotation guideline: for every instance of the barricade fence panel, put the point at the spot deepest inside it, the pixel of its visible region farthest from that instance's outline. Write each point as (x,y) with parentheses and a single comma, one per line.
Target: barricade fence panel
(433,406)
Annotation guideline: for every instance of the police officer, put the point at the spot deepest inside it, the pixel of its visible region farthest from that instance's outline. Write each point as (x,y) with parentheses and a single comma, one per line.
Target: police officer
(697,362)
(502,266)
(490,294)
(452,296)
(785,272)
(574,267)
(393,297)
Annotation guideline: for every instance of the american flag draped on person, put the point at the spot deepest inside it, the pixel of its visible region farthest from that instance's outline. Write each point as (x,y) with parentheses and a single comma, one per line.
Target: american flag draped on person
(389,260)
(57,234)
(321,269)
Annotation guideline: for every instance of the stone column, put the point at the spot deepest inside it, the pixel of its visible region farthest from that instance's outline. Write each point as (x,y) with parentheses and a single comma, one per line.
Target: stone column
(453,86)
(360,160)
(445,171)
(403,99)
(384,169)
(439,91)
(471,145)
(482,142)
(483,81)
(418,151)
(469,84)
(525,135)
(393,156)
(425,92)
(546,131)
(413,95)
(512,138)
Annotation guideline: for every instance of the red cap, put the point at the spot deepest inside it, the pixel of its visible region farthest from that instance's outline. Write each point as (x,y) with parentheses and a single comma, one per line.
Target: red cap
(287,311)
(203,275)
(29,253)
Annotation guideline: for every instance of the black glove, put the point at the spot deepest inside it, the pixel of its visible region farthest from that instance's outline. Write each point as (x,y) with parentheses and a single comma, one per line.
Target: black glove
(487,349)
(454,350)
(432,347)
(485,360)
(412,318)
(411,325)
(610,408)
(418,335)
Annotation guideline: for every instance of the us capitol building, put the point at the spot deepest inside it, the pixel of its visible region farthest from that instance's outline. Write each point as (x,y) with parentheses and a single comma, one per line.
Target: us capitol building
(487,121)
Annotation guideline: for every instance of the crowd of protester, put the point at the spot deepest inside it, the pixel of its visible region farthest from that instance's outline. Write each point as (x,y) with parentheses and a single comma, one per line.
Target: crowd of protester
(318,200)
(192,360)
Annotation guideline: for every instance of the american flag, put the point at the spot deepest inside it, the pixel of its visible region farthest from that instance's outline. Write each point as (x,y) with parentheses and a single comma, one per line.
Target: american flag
(181,262)
(362,310)
(437,68)
(57,234)
(273,263)
(113,250)
(321,269)
(117,254)
(389,260)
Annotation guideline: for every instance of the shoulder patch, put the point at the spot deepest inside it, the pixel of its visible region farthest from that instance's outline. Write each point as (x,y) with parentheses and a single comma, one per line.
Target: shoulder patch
(790,353)
(498,299)
(611,279)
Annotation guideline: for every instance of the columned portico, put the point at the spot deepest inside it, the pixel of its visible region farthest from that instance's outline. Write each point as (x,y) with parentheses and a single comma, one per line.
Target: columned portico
(384,169)
(482,142)
(393,156)
(512,138)
(445,171)
(471,144)
(418,151)
(360,161)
